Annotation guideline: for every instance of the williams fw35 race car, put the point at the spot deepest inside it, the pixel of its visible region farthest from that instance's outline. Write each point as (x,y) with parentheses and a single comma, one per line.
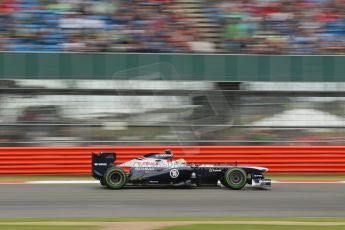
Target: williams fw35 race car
(161,169)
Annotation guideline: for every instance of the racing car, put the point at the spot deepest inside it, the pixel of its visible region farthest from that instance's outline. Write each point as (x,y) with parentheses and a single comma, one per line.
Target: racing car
(161,169)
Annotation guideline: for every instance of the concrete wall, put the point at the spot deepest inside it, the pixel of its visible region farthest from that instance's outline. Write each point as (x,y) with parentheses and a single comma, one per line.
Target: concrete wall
(171,67)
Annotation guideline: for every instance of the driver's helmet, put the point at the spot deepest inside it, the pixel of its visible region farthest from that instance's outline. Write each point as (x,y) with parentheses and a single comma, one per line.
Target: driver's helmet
(168,152)
(180,162)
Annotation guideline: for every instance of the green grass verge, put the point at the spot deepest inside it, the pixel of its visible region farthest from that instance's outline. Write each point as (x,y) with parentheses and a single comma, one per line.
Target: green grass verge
(133,219)
(251,227)
(46,227)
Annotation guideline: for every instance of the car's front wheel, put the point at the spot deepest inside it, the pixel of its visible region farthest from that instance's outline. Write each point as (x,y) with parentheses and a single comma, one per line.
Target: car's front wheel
(115,178)
(235,178)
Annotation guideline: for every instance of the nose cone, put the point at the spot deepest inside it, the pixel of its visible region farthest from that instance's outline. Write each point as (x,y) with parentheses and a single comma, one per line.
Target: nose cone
(262,169)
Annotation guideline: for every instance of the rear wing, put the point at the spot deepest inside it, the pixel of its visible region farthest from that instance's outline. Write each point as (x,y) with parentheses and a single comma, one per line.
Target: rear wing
(101,162)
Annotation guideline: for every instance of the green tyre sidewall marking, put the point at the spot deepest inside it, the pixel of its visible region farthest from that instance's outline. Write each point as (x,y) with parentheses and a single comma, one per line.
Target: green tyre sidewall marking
(108,174)
(232,185)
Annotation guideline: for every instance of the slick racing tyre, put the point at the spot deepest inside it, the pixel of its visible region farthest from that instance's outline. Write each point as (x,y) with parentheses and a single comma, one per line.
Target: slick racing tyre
(235,178)
(115,178)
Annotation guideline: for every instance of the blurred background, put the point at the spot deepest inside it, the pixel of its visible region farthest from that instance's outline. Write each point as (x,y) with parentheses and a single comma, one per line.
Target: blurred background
(177,74)
(139,112)
(238,26)
(119,95)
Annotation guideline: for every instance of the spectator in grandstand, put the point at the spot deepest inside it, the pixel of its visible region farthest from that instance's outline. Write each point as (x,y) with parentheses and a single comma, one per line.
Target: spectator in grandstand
(280,26)
(247,26)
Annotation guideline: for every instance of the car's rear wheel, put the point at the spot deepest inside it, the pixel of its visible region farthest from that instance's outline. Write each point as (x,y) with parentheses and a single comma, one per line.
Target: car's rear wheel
(115,178)
(235,178)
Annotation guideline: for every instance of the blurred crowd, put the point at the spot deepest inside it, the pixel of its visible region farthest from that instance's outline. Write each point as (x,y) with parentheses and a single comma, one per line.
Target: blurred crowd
(92,25)
(282,26)
(245,26)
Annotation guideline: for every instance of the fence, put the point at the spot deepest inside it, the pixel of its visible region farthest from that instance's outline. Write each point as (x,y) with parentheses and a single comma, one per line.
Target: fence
(76,160)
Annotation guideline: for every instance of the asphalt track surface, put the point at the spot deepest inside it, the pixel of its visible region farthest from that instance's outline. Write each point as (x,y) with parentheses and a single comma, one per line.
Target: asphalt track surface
(91,200)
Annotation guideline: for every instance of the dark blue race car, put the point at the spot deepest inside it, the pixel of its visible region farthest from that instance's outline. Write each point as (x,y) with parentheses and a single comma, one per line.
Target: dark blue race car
(160,169)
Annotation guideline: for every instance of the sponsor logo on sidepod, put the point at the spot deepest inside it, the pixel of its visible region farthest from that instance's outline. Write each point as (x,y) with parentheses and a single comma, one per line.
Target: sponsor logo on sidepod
(174,173)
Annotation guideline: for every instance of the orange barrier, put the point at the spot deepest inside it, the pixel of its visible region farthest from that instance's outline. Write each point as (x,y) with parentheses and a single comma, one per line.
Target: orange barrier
(77,160)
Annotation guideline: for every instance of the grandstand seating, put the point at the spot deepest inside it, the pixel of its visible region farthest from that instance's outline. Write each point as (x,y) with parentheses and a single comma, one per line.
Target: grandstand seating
(239,26)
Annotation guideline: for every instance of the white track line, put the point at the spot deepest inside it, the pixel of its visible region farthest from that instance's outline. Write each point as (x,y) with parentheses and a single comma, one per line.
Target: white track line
(97,182)
(63,182)
(308,182)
